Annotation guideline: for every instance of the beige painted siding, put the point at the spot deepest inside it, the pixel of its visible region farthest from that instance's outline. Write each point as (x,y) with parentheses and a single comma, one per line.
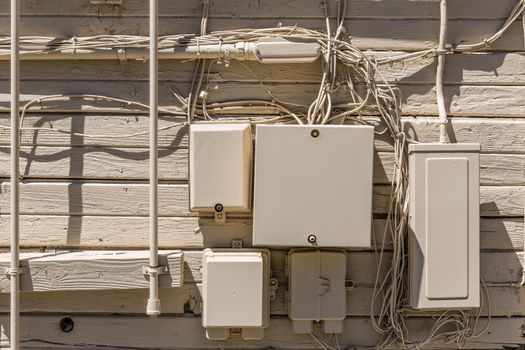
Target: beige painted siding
(92,193)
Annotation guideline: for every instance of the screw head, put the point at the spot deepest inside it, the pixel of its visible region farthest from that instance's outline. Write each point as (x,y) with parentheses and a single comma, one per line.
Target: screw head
(315,133)
(219,207)
(66,324)
(312,239)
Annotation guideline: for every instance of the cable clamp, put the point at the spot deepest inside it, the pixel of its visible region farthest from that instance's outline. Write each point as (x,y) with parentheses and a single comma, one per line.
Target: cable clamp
(443,122)
(10,271)
(75,41)
(199,47)
(121,55)
(155,271)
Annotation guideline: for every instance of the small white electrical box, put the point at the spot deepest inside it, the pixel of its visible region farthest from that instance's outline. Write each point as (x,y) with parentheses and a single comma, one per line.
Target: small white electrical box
(313,185)
(220,167)
(235,292)
(444,226)
(317,289)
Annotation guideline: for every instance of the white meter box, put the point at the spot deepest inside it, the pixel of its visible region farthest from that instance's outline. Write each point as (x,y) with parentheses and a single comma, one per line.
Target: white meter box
(317,289)
(220,167)
(313,185)
(235,292)
(444,226)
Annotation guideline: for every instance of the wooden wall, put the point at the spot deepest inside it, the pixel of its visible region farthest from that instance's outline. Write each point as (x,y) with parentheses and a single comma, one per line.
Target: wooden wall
(87,193)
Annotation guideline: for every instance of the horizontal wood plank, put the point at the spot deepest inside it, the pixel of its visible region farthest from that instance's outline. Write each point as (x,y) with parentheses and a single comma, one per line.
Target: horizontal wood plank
(130,199)
(187,299)
(91,270)
(187,332)
(104,163)
(120,232)
(378,34)
(497,68)
(496,268)
(418,99)
(496,135)
(269,8)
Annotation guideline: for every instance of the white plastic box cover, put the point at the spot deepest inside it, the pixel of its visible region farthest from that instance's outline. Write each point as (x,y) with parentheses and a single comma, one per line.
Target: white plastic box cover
(317,289)
(235,293)
(220,166)
(313,185)
(444,226)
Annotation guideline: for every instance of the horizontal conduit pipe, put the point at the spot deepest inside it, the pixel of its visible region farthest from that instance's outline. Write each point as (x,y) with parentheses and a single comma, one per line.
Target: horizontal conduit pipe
(274,50)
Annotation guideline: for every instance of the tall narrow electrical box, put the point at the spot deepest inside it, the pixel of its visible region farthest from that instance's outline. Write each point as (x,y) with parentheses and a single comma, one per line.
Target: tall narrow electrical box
(220,167)
(235,292)
(317,289)
(444,226)
(313,185)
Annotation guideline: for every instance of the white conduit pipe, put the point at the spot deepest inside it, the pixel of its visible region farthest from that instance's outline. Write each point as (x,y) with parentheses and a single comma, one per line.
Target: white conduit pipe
(14,270)
(440,72)
(523,272)
(153,307)
(264,50)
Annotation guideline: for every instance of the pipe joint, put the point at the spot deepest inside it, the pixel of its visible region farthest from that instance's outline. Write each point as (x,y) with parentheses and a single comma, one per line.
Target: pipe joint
(155,271)
(13,271)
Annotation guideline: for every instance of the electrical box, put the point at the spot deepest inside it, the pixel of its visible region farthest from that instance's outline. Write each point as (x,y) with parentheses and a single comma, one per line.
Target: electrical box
(313,185)
(220,167)
(317,289)
(235,292)
(444,226)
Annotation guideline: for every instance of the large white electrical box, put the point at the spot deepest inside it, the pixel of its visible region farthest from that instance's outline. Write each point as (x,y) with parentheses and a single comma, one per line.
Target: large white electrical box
(317,289)
(444,226)
(235,294)
(313,185)
(220,167)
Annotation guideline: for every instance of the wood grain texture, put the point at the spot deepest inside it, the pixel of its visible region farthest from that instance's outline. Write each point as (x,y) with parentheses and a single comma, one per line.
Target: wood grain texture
(48,274)
(187,299)
(96,163)
(418,99)
(129,199)
(498,68)
(121,232)
(405,9)
(496,135)
(187,333)
(378,34)
(89,270)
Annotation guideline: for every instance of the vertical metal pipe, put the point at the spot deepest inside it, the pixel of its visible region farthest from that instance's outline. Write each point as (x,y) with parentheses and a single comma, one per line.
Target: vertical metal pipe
(14,272)
(153,307)
(440,72)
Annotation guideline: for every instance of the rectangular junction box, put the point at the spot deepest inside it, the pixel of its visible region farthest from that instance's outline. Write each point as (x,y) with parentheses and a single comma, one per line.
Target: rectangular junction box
(313,185)
(444,226)
(235,292)
(220,167)
(317,289)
